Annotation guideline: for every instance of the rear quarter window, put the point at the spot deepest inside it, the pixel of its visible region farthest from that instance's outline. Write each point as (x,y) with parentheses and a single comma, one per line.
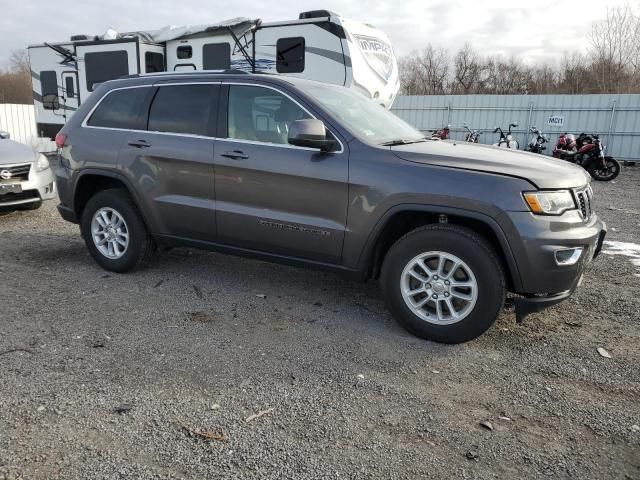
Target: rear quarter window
(120,109)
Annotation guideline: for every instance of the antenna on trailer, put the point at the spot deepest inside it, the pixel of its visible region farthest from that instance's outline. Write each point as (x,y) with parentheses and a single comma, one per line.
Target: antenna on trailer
(67,55)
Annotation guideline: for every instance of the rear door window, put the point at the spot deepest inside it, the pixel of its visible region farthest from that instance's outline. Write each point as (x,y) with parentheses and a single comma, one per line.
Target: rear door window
(216,56)
(182,109)
(103,66)
(120,109)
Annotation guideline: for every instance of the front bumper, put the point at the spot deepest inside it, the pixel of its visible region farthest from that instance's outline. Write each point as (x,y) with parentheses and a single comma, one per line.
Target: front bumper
(544,281)
(39,186)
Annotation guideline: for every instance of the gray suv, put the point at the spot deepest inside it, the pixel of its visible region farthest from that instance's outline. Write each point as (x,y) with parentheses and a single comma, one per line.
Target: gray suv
(316,175)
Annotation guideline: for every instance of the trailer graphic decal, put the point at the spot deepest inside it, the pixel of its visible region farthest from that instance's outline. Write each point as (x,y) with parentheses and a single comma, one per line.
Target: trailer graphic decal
(378,54)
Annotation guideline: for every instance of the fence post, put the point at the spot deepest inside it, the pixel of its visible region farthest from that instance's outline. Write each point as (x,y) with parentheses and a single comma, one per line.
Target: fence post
(613,116)
(526,134)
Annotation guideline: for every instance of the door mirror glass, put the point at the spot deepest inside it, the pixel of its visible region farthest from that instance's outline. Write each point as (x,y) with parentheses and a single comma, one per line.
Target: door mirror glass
(51,102)
(310,133)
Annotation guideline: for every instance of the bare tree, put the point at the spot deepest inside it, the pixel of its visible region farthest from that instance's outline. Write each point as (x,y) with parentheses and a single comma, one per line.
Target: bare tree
(425,73)
(15,80)
(468,71)
(614,46)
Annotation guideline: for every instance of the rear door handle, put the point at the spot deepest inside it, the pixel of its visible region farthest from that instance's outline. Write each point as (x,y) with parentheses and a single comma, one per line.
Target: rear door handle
(235,154)
(139,143)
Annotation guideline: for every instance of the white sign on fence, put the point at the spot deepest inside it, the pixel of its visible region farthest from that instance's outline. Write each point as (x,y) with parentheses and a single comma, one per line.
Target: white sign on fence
(555,120)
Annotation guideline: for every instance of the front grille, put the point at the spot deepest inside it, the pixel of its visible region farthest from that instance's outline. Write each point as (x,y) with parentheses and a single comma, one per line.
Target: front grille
(585,200)
(17,172)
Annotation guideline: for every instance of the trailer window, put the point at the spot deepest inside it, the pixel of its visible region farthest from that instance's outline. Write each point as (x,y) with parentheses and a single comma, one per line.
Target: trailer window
(103,66)
(261,114)
(48,85)
(290,55)
(153,62)
(216,56)
(69,87)
(182,109)
(120,109)
(184,51)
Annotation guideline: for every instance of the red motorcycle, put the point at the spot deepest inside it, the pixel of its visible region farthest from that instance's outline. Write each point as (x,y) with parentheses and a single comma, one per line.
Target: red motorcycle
(442,134)
(588,152)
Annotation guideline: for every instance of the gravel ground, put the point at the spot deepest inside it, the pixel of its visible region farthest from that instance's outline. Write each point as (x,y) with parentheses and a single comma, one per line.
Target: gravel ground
(157,374)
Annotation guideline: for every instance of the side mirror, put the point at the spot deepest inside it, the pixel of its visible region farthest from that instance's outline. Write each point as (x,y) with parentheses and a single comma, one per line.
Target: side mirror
(310,133)
(5,135)
(51,101)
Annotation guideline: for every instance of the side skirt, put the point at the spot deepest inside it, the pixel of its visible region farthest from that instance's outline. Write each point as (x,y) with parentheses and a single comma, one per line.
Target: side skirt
(172,241)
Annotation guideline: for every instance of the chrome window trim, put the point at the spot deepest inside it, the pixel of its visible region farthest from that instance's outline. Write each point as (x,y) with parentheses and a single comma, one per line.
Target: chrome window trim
(191,135)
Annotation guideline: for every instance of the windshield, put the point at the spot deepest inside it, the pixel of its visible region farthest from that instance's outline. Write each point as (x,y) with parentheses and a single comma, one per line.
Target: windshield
(363,117)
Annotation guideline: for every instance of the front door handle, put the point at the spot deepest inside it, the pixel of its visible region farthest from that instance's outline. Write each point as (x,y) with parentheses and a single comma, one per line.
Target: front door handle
(139,143)
(235,154)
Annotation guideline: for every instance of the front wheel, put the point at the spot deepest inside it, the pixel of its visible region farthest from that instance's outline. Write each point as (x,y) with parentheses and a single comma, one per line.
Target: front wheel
(443,283)
(605,172)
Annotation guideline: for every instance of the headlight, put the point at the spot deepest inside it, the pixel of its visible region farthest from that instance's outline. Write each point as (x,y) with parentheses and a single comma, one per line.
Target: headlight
(42,163)
(549,203)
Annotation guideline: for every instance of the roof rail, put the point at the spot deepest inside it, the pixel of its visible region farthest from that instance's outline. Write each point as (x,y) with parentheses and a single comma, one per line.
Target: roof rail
(229,71)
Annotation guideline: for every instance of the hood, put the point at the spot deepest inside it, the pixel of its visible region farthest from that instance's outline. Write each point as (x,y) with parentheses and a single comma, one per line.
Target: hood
(542,171)
(13,152)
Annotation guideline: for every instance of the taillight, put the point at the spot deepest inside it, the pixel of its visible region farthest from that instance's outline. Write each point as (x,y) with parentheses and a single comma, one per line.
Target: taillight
(60,139)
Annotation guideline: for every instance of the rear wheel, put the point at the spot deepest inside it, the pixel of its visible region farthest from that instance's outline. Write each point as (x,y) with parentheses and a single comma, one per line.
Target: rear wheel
(443,283)
(605,172)
(114,232)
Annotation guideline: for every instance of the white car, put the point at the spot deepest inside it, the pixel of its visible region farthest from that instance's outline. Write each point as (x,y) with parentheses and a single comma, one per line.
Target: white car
(26,179)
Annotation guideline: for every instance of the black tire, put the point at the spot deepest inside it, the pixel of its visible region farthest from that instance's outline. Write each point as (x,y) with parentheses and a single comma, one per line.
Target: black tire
(141,246)
(607,174)
(468,247)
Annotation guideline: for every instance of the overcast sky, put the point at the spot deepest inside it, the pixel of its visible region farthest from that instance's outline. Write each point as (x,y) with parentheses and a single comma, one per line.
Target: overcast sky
(530,30)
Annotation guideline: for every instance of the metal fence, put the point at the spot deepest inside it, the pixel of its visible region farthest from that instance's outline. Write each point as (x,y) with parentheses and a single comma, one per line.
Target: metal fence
(20,122)
(616,118)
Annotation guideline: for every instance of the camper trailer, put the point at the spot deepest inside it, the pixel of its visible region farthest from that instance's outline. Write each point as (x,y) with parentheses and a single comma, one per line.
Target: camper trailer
(319,45)
(63,74)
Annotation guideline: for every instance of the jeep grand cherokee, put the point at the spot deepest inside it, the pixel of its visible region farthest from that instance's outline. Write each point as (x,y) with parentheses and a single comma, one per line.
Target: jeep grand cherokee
(312,174)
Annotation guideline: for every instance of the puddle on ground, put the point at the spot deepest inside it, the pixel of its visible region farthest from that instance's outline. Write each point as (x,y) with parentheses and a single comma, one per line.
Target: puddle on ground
(627,249)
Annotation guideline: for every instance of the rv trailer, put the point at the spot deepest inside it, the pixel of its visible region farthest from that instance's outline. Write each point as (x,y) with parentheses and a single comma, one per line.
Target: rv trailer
(320,45)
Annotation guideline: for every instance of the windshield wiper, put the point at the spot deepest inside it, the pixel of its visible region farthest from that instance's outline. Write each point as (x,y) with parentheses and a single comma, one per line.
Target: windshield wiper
(403,141)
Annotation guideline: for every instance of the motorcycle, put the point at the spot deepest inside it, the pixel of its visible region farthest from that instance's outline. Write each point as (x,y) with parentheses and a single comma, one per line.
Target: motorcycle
(472,136)
(442,134)
(537,142)
(506,141)
(588,152)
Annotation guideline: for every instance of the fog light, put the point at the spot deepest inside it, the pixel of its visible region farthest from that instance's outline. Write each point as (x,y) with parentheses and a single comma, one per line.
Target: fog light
(568,256)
